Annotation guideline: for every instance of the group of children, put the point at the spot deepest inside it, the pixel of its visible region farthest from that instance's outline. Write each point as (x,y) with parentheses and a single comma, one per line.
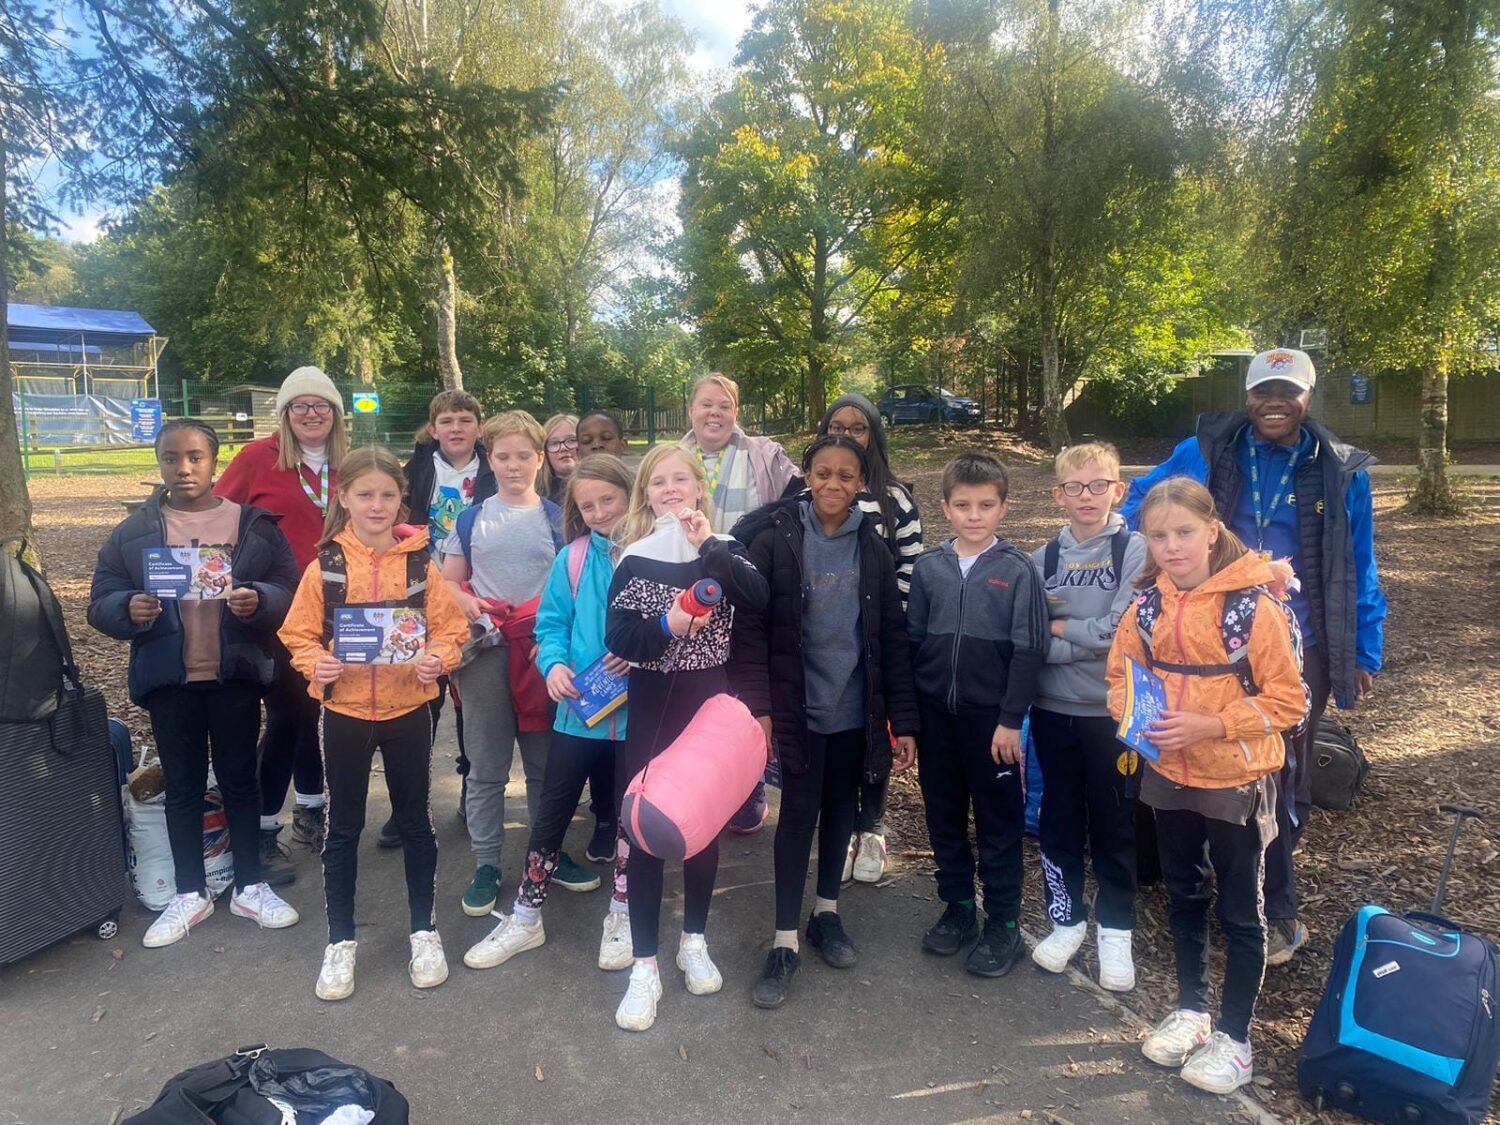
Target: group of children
(857,655)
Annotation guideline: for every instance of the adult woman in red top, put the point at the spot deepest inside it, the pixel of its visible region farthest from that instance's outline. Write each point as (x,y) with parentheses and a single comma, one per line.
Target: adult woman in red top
(292,474)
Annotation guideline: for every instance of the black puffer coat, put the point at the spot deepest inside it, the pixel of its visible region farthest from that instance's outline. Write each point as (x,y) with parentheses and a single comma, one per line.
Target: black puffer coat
(766,668)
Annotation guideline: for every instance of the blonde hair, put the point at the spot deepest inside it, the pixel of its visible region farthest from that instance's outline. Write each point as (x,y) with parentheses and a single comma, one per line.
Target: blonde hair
(723,382)
(512,422)
(289,456)
(639,518)
(361,462)
(603,467)
(545,481)
(1188,494)
(1100,453)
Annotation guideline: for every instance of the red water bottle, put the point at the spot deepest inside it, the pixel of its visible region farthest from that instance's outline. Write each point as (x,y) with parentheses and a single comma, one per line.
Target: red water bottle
(700,598)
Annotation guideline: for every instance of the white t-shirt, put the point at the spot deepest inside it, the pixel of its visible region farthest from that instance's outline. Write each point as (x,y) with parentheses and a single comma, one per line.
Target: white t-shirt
(452,492)
(967,564)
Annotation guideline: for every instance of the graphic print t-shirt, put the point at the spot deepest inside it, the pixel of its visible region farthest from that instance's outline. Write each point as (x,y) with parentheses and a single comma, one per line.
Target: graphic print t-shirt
(217,527)
(452,492)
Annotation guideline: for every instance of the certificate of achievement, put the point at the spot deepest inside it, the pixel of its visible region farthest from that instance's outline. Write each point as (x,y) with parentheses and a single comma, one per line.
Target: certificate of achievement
(378,636)
(187,573)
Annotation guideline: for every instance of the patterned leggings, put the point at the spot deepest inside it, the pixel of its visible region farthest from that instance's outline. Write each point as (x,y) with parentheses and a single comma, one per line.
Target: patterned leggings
(569,762)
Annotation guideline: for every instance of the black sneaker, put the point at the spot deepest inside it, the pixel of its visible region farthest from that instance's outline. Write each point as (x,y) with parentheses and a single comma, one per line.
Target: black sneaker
(826,934)
(775,975)
(601,847)
(958,926)
(307,826)
(275,864)
(996,953)
(390,835)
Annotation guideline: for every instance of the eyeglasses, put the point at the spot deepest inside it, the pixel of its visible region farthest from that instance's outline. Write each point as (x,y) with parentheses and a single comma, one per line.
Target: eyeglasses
(838,429)
(557,445)
(1096,487)
(303,409)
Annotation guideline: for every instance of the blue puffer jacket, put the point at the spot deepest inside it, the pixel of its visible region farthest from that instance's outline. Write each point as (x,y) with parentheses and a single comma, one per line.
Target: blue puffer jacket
(261,560)
(571,631)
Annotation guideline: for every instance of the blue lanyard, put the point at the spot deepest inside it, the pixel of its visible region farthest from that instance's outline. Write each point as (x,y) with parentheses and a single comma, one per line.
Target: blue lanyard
(1264,515)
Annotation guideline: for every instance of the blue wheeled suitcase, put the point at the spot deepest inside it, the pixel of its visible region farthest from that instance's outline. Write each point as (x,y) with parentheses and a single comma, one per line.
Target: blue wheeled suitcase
(1406,1032)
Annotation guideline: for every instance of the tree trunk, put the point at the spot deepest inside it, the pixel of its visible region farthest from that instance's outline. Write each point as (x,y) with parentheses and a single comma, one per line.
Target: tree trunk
(1434,493)
(1052,388)
(817,387)
(445,313)
(15,501)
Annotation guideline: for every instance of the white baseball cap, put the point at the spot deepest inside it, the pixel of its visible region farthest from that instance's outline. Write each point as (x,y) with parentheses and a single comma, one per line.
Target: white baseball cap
(1285,364)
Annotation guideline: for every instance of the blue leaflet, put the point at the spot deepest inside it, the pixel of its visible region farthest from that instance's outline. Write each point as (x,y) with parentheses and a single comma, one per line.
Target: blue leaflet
(1145,699)
(600,693)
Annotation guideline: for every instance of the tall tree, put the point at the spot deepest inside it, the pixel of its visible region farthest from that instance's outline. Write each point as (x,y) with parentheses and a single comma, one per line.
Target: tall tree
(1072,184)
(1390,229)
(802,202)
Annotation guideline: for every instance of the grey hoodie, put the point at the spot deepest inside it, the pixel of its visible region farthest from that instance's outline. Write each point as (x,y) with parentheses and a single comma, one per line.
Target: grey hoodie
(1091,599)
(832,640)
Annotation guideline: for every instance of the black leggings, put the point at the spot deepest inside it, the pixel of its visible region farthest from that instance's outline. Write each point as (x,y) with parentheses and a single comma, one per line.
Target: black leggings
(822,797)
(1203,858)
(661,706)
(189,722)
(289,744)
(571,761)
(873,796)
(349,746)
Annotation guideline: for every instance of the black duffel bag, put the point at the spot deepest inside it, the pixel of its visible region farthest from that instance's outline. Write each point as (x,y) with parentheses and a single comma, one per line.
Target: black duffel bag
(238,1090)
(1338,766)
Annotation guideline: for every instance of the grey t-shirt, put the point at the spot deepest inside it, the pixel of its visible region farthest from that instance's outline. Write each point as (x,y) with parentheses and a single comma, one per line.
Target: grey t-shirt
(510,551)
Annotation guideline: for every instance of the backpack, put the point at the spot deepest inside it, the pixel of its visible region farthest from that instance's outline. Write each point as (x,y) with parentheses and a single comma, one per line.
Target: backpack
(1118,542)
(464,527)
(335,568)
(1235,627)
(36,658)
(578,553)
(1338,765)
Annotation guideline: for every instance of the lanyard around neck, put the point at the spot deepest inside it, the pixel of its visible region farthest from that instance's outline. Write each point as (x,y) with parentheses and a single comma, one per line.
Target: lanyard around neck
(320,500)
(1264,514)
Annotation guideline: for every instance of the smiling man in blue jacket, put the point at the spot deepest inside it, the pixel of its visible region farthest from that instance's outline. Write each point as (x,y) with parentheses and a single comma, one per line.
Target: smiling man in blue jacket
(1290,488)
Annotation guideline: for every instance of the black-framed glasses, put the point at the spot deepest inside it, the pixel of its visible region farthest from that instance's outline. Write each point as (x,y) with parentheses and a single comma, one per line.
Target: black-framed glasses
(1096,487)
(557,445)
(316,409)
(838,429)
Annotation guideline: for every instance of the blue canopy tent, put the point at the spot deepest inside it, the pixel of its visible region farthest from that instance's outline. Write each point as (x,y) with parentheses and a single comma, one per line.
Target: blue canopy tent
(76,371)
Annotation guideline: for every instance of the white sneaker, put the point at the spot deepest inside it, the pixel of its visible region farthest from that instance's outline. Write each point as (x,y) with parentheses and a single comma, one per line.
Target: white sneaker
(181,915)
(1220,1067)
(1177,1037)
(869,864)
(428,967)
(1055,950)
(260,903)
(1116,966)
(637,1012)
(849,857)
(701,974)
(615,948)
(510,937)
(336,979)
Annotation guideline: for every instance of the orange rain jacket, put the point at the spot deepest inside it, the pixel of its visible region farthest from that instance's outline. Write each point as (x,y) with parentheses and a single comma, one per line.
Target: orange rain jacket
(381,691)
(1189,630)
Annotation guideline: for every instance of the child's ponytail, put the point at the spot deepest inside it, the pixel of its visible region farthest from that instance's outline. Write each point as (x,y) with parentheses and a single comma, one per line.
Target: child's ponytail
(1186,493)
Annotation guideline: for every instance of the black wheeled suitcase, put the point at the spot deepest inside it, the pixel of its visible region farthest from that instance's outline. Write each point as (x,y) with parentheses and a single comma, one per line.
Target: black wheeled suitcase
(62,852)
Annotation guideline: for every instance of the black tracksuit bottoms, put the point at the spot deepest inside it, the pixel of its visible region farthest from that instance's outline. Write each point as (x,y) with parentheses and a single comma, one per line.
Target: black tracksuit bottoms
(187,722)
(289,743)
(821,798)
(405,746)
(1090,782)
(1201,857)
(956,773)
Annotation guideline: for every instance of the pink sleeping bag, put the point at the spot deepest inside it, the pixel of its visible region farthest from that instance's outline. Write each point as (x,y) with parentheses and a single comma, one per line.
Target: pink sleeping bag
(675,807)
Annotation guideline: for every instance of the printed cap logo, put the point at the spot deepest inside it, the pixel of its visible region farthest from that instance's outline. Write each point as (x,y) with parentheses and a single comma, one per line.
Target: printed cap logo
(1276,361)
